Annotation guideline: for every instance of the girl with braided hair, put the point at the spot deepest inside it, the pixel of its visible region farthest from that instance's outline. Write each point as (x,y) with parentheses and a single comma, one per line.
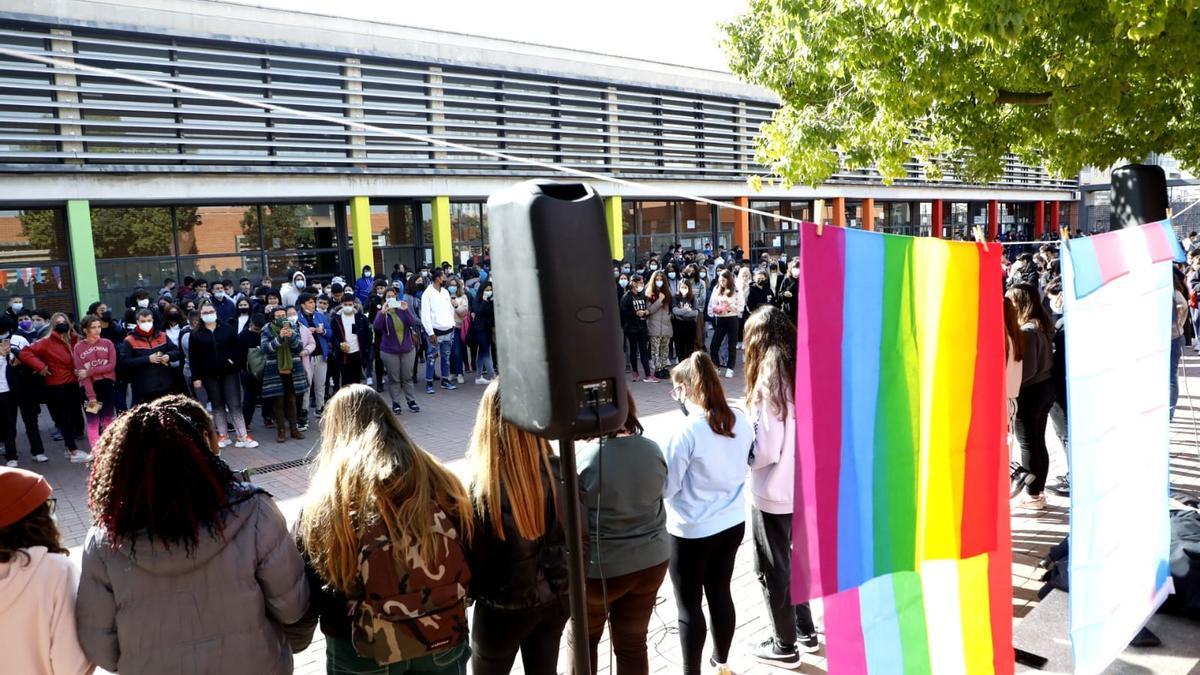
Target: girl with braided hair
(185,569)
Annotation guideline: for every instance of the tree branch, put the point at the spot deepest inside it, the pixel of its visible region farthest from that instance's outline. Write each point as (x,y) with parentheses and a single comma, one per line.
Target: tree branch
(1022,97)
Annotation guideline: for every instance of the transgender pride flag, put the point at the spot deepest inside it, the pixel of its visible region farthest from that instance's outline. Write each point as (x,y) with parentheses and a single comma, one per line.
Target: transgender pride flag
(901,502)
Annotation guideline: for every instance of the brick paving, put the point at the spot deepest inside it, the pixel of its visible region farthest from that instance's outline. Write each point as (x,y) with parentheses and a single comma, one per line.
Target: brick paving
(443,427)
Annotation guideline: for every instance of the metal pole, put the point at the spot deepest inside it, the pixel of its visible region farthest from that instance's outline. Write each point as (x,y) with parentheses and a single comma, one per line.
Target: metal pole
(575,562)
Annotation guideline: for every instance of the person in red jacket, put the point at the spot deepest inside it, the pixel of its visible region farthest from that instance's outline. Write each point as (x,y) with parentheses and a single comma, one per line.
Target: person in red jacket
(53,357)
(96,368)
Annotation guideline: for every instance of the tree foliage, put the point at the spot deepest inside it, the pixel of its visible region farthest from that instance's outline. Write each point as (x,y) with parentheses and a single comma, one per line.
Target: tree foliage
(958,84)
(284,226)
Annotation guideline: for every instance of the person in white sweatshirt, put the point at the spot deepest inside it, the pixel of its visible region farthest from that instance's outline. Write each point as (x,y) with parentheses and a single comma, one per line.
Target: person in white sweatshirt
(770,347)
(37,583)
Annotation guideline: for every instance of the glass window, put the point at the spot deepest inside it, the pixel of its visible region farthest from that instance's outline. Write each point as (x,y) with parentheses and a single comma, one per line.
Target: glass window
(726,219)
(854,214)
(223,267)
(297,226)
(802,211)
(468,230)
(33,235)
(132,232)
(321,265)
(658,218)
(120,276)
(899,218)
(761,223)
(204,230)
(695,224)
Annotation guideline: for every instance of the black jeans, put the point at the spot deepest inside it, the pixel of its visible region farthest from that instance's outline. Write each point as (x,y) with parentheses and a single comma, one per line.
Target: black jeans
(1033,412)
(639,345)
(351,368)
(64,403)
(251,390)
(773,564)
(285,404)
(703,568)
(497,635)
(8,424)
(725,328)
(685,338)
(30,405)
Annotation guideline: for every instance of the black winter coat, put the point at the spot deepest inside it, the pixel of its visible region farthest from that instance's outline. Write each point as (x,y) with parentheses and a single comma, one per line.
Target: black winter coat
(517,573)
(213,353)
(631,304)
(149,380)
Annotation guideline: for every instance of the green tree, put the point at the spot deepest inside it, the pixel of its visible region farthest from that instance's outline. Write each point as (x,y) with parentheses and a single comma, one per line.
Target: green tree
(284,226)
(126,233)
(958,84)
(44,231)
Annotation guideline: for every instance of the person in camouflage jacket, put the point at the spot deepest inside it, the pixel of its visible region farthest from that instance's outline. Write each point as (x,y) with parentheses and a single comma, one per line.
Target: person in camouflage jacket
(390,590)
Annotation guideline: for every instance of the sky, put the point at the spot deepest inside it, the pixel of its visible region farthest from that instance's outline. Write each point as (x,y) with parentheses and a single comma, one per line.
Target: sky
(681,32)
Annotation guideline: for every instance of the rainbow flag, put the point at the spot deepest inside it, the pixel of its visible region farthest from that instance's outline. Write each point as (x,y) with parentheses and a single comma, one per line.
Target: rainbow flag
(901,483)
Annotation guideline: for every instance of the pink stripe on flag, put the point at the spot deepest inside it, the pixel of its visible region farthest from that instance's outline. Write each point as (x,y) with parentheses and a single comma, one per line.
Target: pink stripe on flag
(1160,241)
(845,650)
(1110,256)
(819,418)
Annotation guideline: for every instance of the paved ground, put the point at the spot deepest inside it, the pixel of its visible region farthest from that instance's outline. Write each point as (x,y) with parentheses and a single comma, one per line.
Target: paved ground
(443,428)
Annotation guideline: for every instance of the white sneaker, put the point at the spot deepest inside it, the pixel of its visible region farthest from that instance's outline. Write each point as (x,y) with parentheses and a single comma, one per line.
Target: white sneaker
(42,458)
(729,372)
(12,464)
(482,380)
(79,457)
(246,442)
(223,441)
(370,381)
(1029,503)
(460,378)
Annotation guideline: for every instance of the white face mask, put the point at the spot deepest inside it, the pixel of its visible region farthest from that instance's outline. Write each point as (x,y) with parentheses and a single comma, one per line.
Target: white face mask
(393,303)
(143,303)
(299,283)
(487,295)
(658,284)
(671,275)
(145,326)
(293,320)
(209,318)
(348,311)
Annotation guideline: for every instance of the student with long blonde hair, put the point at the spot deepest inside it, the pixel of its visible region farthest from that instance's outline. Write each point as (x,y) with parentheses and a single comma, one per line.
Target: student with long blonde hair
(519,550)
(770,344)
(706,476)
(383,531)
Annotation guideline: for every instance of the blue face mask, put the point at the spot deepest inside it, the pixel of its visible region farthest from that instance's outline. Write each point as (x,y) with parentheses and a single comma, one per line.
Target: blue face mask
(453,290)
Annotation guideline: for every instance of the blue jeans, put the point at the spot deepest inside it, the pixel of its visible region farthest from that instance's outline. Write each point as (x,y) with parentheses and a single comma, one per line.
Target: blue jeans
(442,347)
(341,659)
(1176,355)
(486,367)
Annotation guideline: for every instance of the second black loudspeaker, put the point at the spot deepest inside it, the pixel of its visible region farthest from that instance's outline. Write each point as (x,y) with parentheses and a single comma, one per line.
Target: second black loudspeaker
(558,328)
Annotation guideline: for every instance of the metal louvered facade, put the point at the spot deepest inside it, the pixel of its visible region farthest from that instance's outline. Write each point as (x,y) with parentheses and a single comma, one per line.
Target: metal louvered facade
(59,120)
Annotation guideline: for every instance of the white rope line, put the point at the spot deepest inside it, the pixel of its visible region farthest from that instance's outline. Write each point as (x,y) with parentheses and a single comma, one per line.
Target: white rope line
(431,140)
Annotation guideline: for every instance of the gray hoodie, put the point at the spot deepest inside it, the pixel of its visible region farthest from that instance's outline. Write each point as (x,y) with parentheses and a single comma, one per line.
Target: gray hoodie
(221,609)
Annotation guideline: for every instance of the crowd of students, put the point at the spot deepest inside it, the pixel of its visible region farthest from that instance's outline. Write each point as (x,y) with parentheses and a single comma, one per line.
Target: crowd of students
(187,568)
(234,347)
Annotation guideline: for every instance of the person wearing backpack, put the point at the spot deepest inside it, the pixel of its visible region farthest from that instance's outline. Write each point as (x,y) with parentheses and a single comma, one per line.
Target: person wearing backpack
(382,532)
(518,552)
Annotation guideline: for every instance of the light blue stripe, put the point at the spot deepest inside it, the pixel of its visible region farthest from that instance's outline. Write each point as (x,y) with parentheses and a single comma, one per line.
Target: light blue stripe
(1087,269)
(862,321)
(881,626)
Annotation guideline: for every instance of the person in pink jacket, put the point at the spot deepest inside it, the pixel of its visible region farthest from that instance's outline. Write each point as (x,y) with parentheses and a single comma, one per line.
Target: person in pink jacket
(770,349)
(37,583)
(96,368)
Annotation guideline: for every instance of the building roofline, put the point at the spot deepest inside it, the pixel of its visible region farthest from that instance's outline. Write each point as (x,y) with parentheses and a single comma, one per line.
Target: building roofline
(216,20)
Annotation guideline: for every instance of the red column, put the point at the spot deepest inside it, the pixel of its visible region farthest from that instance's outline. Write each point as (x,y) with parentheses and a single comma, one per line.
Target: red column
(1039,219)
(1054,218)
(839,211)
(935,220)
(993,221)
(868,207)
(741,224)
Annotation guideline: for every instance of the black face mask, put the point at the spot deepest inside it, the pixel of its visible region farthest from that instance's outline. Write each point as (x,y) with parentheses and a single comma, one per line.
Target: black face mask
(243,310)
(107,316)
(61,328)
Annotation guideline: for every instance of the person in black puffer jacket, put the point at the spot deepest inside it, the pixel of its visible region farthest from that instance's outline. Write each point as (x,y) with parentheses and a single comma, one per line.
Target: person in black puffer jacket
(518,554)
(149,360)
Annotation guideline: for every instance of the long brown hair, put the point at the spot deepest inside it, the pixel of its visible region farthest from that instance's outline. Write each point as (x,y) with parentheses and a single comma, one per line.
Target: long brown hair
(35,529)
(770,343)
(369,471)
(1013,327)
(1029,307)
(698,376)
(502,454)
(652,291)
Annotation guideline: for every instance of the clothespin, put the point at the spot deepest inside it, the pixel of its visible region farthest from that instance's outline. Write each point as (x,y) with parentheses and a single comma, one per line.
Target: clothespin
(980,238)
(1063,234)
(820,227)
(1168,214)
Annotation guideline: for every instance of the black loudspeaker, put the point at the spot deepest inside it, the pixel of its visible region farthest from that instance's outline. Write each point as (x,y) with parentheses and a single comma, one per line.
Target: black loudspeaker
(1139,195)
(558,328)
